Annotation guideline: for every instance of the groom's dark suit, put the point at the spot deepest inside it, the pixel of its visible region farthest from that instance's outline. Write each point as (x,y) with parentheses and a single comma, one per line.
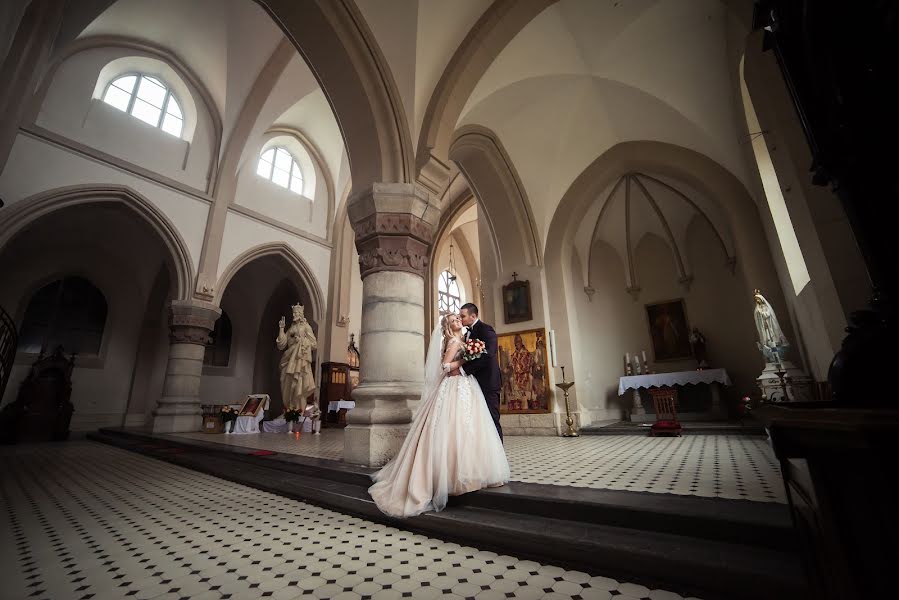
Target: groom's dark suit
(486,370)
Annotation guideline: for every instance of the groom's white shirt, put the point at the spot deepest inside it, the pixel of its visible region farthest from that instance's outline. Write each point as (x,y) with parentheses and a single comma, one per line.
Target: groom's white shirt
(467,333)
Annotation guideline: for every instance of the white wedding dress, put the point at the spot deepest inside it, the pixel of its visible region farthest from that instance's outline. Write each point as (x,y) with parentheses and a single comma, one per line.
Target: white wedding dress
(452,447)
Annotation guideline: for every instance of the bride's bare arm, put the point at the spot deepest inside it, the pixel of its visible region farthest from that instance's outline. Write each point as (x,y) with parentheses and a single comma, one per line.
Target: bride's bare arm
(450,364)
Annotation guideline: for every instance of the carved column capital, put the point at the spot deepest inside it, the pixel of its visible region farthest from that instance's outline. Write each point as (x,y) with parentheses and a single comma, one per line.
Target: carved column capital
(394,225)
(190,322)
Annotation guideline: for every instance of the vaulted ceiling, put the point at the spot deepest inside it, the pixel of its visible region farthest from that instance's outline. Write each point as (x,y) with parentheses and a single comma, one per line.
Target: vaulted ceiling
(580,77)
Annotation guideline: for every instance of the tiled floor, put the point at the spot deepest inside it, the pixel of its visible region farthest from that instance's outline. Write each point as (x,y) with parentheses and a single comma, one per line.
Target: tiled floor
(86,521)
(722,466)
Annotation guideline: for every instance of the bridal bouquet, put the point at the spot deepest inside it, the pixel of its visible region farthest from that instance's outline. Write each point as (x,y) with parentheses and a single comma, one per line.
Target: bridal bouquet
(473,349)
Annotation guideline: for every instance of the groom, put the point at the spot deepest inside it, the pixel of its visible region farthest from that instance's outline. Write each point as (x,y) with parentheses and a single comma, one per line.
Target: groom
(484,368)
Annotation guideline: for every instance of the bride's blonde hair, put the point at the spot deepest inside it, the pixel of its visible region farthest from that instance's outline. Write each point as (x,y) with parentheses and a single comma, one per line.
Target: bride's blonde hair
(445,329)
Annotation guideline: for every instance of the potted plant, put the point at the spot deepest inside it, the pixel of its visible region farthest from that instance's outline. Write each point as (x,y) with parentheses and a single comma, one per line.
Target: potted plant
(291,416)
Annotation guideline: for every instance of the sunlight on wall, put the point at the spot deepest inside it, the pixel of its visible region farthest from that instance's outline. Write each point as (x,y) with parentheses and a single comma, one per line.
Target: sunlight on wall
(776,203)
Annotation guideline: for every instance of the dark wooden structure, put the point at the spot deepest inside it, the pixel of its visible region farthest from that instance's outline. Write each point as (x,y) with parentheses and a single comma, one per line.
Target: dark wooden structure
(42,411)
(336,384)
(840,61)
(839,467)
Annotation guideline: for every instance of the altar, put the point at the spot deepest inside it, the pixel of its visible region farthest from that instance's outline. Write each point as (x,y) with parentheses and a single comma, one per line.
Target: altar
(252,411)
(714,378)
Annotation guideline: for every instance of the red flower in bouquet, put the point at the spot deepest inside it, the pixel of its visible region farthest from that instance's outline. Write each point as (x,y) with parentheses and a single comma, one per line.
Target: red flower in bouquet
(473,349)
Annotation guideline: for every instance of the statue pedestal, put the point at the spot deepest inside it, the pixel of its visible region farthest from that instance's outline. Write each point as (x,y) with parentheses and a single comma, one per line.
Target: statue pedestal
(796,386)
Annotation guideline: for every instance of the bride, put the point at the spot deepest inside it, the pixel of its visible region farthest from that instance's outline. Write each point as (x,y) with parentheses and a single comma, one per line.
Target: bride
(452,446)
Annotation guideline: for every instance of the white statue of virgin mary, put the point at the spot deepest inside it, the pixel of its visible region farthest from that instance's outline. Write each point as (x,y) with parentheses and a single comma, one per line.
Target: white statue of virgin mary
(772,341)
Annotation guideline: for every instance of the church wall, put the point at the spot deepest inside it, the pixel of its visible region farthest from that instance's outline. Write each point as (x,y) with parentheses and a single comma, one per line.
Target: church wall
(227,385)
(70,110)
(151,354)
(243,233)
(267,198)
(613,323)
(37,166)
(100,384)
(839,283)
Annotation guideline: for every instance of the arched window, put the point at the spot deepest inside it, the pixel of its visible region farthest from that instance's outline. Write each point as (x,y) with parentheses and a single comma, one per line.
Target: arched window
(218,350)
(449,297)
(70,313)
(280,167)
(148,99)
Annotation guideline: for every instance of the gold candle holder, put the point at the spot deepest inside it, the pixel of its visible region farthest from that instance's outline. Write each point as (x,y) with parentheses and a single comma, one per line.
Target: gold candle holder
(565,386)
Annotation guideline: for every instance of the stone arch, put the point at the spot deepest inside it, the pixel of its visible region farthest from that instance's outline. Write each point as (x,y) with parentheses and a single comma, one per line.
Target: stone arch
(498,25)
(292,258)
(20,215)
(454,207)
(334,40)
(161,54)
(754,262)
(492,176)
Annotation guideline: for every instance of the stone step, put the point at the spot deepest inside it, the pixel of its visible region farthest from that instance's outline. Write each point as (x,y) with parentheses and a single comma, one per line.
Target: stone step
(706,547)
(689,428)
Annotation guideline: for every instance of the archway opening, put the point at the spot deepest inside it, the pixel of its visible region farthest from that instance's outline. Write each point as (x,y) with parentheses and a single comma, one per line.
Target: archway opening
(256,297)
(122,259)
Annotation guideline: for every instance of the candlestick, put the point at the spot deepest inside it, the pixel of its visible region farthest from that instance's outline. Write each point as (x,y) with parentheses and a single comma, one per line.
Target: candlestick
(565,386)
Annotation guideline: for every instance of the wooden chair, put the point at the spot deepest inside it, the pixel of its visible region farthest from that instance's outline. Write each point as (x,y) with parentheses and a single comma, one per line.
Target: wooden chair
(664,400)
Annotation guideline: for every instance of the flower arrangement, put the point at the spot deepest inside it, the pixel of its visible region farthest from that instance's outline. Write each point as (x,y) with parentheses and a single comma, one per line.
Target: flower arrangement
(228,414)
(473,349)
(292,416)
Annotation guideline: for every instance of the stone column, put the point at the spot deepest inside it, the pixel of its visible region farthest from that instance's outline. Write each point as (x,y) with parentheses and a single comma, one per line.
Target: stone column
(190,323)
(393,225)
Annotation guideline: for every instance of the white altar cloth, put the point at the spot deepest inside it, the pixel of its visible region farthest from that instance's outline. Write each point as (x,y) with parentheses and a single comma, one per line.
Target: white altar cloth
(336,405)
(278,425)
(250,424)
(634,382)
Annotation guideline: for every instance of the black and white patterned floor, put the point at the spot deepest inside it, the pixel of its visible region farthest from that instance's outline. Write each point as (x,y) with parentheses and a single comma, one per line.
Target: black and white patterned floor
(86,521)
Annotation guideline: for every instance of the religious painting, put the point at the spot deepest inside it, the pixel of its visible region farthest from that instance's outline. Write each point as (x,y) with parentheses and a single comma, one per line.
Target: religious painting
(669,330)
(252,405)
(524,363)
(517,301)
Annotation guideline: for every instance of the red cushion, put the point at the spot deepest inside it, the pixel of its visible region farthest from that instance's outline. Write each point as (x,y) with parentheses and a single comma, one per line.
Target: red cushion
(666,425)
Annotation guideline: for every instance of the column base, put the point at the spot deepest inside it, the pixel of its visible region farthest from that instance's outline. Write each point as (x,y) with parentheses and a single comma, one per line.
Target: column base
(177,423)
(372,445)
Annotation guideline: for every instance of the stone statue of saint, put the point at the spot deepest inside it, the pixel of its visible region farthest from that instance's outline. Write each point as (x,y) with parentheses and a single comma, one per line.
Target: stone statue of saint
(297,343)
(697,341)
(772,341)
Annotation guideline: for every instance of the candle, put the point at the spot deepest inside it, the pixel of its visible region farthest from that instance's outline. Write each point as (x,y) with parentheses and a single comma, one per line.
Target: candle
(627,358)
(644,356)
(552,348)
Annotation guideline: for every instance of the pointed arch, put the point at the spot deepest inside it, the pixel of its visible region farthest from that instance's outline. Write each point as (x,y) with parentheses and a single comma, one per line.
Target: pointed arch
(490,172)
(291,257)
(20,215)
(498,25)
